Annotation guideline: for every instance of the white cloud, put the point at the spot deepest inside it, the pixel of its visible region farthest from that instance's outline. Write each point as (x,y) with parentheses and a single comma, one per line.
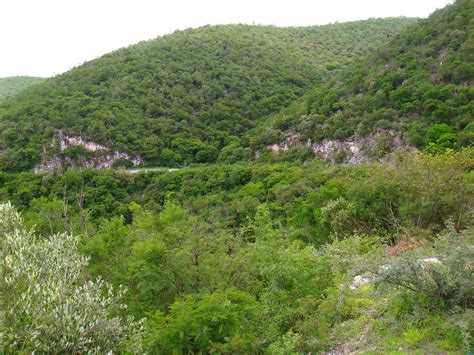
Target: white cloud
(47,37)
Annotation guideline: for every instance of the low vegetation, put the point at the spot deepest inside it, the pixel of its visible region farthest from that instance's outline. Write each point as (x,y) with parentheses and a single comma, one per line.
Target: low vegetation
(242,249)
(209,254)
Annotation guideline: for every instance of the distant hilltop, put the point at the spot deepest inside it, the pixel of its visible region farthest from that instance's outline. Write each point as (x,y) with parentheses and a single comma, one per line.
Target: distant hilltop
(12,85)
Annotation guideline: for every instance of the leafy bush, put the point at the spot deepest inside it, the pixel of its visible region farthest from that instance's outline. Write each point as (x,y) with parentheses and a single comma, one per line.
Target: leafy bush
(440,276)
(204,324)
(48,305)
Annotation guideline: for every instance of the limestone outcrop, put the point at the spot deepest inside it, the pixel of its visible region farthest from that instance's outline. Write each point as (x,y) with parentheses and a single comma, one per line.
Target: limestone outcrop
(98,157)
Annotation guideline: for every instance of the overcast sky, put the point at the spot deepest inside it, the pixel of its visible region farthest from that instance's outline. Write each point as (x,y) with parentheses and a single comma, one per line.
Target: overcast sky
(48,37)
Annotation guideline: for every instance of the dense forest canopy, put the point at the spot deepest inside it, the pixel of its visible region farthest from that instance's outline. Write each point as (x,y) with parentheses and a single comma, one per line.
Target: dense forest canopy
(420,83)
(239,252)
(183,97)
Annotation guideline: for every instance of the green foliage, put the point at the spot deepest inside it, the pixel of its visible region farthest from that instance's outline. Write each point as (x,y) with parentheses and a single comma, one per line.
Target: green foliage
(48,305)
(440,137)
(184,97)
(337,215)
(435,185)
(205,324)
(466,136)
(287,238)
(11,86)
(256,252)
(288,343)
(438,277)
(407,302)
(48,215)
(412,197)
(411,84)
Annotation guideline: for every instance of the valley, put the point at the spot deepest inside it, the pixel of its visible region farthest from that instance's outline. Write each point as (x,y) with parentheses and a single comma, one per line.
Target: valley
(237,189)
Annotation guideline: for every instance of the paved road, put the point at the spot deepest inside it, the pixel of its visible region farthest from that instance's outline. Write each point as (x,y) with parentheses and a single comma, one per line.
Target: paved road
(144,170)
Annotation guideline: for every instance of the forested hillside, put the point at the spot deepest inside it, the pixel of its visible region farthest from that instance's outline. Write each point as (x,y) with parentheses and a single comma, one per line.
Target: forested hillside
(183,97)
(251,245)
(13,85)
(420,84)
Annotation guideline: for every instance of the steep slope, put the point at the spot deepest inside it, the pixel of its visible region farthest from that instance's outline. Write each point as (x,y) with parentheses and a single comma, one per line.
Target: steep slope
(183,97)
(418,86)
(12,85)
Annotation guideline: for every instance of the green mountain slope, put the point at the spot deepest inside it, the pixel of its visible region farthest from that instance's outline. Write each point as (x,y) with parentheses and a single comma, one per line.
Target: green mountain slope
(11,86)
(281,254)
(420,84)
(183,97)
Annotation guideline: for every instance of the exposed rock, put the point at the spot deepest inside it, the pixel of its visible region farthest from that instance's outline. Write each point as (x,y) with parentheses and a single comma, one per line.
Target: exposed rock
(102,158)
(430,261)
(290,140)
(358,281)
(275,148)
(426,263)
(51,164)
(66,141)
(349,152)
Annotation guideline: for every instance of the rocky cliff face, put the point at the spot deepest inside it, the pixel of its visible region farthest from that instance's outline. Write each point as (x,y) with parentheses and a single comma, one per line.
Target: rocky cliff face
(98,157)
(66,141)
(349,152)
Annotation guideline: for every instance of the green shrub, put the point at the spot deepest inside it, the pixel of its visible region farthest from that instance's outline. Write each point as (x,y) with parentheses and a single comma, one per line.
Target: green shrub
(436,277)
(203,324)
